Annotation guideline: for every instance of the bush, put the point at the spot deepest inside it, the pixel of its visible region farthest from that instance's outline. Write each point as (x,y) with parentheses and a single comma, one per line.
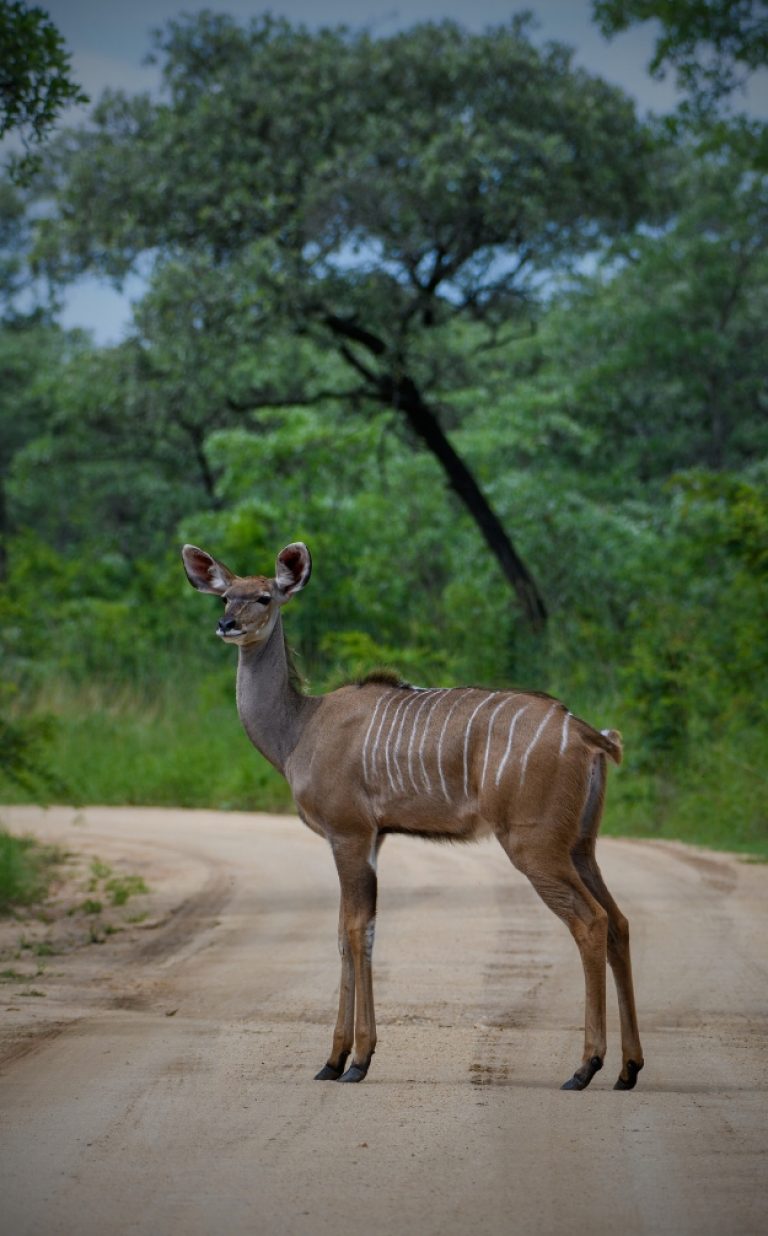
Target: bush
(26,868)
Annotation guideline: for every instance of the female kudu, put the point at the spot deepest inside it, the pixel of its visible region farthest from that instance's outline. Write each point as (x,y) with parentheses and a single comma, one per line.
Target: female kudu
(452,764)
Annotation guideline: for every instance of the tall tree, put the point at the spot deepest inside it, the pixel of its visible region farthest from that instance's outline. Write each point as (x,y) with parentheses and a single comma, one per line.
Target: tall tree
(370,194)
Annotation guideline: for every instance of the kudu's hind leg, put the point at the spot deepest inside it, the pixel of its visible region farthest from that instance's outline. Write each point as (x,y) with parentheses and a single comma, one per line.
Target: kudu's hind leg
(585,862)
(559,886)
(619,960)
(344,1033)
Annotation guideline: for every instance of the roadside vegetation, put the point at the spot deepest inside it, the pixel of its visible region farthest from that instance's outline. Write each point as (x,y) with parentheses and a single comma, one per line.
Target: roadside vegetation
(553,314)
(55,901)
(26,870)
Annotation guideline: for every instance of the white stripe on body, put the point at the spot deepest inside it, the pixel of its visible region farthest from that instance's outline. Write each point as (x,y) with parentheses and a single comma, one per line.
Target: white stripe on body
(427,721)
(412,699)
(366,740)
(392,726)
(482,704)
(564,739)
(377,740)
(508,747)
(493,716)
(427,691)
(534,740)
(448,716)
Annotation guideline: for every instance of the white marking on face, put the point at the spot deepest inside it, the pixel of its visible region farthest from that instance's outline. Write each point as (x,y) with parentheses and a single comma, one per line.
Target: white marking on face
(467,734)
(366,740)
(534,740)
(564,739)
(493,716)
(377,739)
(444,727)
(508,747)
(427,721)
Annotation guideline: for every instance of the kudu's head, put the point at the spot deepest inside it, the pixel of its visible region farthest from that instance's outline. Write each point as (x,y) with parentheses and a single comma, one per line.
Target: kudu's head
(252,601)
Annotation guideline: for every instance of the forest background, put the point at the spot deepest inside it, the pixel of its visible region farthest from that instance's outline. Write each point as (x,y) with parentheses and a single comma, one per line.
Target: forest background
(443,306)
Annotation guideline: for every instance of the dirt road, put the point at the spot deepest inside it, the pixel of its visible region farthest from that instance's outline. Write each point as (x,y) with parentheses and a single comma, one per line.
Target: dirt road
(171,1091)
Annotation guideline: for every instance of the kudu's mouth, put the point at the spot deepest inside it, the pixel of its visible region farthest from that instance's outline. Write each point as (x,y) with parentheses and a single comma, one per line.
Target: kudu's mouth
(230,633)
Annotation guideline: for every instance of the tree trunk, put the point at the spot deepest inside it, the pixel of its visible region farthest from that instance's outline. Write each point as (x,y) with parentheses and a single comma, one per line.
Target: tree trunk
(405,396)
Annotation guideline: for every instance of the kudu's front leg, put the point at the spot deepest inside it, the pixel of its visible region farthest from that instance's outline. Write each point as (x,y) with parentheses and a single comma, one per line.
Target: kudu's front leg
(355,863)
(343,1035)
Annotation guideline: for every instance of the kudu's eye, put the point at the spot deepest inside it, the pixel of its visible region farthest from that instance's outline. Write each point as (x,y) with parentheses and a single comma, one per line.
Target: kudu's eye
(265,600)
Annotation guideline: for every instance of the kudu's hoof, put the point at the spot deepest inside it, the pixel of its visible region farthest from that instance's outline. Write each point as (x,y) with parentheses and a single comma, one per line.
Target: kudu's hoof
(355,1073)
(628,1083)
(328,1073)
(583,1076)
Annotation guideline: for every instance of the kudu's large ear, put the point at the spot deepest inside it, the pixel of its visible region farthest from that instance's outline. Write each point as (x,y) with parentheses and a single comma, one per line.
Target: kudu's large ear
(204,572)
(293,569)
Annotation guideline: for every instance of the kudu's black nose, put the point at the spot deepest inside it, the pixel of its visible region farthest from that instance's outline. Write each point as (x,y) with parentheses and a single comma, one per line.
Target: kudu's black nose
(225,625)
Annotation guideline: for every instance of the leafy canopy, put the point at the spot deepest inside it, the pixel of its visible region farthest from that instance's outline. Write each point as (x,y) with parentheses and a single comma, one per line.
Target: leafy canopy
(712,44)
(365,193)
(420,174)
(35,80)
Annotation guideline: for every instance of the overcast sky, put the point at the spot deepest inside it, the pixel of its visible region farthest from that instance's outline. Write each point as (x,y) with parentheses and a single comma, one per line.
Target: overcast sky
(109,41)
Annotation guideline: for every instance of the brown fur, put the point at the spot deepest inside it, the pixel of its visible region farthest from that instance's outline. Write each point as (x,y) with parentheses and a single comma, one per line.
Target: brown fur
(295,677)
(384,677)
(380,757)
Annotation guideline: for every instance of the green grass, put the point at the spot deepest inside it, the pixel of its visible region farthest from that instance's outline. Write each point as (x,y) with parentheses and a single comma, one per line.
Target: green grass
(91,905)
(43,948)
(12,976)
(26,868)
(120,888)
(171,750)
(188,749)
(717,798)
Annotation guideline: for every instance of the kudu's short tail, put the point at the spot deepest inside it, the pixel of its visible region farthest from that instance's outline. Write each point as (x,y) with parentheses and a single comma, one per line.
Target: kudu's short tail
(609,745)
(612,745)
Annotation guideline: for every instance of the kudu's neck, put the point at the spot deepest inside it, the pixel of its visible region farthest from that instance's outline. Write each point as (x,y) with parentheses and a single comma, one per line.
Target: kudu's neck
(272,709)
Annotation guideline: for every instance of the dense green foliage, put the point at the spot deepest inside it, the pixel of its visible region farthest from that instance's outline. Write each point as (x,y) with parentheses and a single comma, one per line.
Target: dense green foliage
(302,286)
(35,77)
(379,193)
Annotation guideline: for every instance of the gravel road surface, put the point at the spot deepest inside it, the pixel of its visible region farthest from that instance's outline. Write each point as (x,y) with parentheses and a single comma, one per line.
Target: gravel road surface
(164,1085)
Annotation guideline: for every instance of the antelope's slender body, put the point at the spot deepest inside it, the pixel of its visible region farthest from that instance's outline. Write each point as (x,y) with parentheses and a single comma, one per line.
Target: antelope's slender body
(455,764)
